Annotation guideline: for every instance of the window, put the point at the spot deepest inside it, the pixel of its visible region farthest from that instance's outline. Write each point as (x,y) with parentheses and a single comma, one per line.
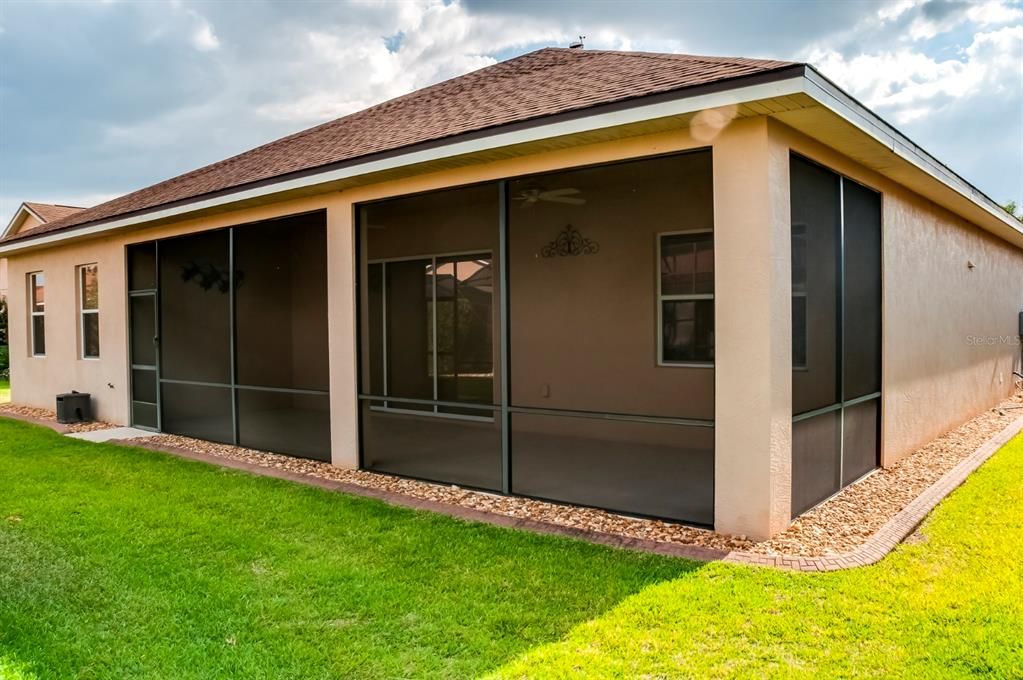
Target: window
(685,291)
(439,339)
(37,313)
(88,310)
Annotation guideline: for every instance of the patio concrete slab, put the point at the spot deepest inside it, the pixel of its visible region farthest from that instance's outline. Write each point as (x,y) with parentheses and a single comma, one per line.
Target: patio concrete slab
(112,433)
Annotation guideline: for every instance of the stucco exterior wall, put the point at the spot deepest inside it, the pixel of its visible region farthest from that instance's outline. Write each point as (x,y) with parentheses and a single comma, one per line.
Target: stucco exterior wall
(36,380)
(949,335)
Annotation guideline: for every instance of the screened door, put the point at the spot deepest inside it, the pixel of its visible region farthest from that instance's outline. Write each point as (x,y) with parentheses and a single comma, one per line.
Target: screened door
(144,336)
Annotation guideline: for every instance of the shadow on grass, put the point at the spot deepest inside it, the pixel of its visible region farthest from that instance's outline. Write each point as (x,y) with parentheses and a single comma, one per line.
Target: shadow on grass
(119,562)
(946,607)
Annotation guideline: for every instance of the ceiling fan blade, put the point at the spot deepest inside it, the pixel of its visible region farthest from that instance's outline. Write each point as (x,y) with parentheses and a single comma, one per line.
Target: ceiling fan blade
(566,199)
(553,193)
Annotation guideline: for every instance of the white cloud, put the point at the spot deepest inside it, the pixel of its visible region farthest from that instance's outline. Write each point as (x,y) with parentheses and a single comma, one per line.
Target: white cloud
(982,14)
(337,72)
(910,84)
(203,37)
(894,10)
(993,12)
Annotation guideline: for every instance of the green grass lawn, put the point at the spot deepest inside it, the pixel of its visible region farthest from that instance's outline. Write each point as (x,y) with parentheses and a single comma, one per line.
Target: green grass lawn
(5,396)
(124,563)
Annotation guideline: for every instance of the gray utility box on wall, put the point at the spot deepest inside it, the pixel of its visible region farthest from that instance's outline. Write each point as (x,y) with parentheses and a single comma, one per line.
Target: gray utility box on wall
(73,407)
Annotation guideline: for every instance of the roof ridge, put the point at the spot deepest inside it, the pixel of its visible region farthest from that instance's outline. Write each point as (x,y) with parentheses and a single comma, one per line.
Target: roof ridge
(679,56)
(55,205)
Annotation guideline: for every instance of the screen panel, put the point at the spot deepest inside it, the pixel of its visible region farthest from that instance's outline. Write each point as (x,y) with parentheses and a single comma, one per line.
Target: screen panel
(862,343)
(861,432)
(197,411)
(584,296)
(281,303)
(816,234)
(143,329)
(426,446)
(143,385)
(143,414)
(195,319)
(142,266)
(662,470)
(285,422)
(816,449)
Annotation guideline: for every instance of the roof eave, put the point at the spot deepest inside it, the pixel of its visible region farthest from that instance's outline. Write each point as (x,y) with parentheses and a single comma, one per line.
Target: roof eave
(854,112)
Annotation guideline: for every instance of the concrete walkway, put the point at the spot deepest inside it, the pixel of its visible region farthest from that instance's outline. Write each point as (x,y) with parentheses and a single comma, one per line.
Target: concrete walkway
(112,433)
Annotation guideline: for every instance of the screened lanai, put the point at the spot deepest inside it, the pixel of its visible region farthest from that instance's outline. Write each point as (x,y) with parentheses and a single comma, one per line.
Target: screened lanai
(229,335)
(549,336)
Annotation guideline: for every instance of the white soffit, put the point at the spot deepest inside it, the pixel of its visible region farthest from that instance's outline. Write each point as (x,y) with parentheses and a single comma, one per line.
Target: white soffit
(771,98)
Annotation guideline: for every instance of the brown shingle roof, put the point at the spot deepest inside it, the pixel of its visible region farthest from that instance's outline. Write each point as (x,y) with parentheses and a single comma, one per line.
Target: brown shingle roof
(50,212)
(542,83)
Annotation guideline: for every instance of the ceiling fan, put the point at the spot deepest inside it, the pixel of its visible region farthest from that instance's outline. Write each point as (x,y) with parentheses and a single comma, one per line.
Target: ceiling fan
(530,197)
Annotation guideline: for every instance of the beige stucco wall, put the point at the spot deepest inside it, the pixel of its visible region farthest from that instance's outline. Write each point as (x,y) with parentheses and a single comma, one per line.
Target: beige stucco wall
(35,380)
(933,378)
(949,332)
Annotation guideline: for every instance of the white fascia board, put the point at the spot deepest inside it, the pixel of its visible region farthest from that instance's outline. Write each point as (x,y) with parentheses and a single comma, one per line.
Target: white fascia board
(831,96)
(636,114)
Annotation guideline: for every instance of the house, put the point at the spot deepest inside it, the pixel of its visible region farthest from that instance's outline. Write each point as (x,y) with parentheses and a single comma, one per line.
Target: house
(28,216)
(712,290)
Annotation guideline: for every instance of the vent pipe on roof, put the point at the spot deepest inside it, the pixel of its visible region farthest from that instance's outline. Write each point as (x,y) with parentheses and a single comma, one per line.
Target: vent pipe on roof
(577,44)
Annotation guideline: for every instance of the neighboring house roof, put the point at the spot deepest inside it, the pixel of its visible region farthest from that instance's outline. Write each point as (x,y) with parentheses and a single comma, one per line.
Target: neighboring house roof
(40,213)
(50,212)
(538,84)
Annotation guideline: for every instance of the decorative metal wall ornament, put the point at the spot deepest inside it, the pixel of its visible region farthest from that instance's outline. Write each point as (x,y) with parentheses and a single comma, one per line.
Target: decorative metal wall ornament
(570,242)
(209,276)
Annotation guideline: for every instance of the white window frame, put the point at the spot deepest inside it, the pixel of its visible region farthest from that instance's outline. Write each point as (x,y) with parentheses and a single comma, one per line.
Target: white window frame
(32,313)
(662,298)
(82,311)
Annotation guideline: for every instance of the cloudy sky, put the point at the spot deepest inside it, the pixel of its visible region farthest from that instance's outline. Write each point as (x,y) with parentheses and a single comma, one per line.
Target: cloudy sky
(100,98)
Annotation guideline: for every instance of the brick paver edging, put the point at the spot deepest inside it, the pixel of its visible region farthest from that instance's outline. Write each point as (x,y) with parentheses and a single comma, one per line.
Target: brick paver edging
(873,550)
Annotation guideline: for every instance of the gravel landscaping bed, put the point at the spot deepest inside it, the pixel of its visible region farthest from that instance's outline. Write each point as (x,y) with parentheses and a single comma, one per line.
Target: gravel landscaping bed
(838,525)
(47,414)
